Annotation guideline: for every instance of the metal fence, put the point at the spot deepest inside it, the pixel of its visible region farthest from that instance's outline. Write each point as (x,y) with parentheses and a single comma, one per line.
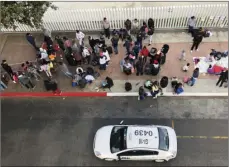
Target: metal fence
(170,17)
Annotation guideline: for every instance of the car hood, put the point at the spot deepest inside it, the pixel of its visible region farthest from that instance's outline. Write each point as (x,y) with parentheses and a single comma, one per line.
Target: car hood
(172,141)
(102,140)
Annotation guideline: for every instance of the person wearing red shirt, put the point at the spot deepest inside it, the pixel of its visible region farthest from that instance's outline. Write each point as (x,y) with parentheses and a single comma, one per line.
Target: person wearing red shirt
(144,52)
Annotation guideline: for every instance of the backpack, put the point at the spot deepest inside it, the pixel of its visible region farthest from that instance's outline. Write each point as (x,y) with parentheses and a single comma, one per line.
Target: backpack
(148,84)
(82,83)
(128,86)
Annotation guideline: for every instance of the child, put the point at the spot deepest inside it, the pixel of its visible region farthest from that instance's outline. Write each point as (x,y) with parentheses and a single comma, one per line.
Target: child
(182,56)
(186,67)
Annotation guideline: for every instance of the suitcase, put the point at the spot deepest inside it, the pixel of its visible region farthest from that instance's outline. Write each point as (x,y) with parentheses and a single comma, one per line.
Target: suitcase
(71,61)
(109,49)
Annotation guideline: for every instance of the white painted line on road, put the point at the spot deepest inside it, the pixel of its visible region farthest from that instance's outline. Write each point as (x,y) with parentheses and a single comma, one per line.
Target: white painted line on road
(168,94)
(203,137)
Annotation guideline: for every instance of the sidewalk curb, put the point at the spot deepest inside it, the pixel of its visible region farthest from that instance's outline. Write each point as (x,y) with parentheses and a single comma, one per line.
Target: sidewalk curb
(169,94)
(50,94)
(104,94)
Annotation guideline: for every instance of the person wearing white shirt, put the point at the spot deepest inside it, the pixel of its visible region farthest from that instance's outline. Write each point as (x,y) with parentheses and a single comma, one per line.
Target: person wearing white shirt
(106,54)
(89,78)
(43,54)
(80,37)
(45,67)
(186,67)
(102,62)
(127,67)
(86,54)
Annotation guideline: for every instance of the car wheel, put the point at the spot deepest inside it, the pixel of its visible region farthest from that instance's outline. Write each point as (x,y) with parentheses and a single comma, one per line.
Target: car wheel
(159,160)
(108,159)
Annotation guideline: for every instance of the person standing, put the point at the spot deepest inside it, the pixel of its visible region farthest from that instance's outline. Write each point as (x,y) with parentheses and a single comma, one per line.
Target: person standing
(127,44)
(45,67)
(139,39)
(191,25)
(135,26)
(114,41)
(150,33)
(106,26)
(151,23)
(102,62)
(31,40)
(164,51)
(128,26)
(145,53)
(197,40)
(80,37)
(136,49)
(8,69)
(139,66)
(222,78)
(60,42)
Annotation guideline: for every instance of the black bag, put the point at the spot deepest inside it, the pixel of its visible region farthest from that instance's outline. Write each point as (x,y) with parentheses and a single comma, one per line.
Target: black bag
(90,71)
(82,83)
(71,61)
(128,86)
(148,70)
(109,49)
(50,85)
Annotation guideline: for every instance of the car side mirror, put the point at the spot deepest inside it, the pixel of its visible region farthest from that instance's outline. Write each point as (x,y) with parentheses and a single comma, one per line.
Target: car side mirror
(121,122)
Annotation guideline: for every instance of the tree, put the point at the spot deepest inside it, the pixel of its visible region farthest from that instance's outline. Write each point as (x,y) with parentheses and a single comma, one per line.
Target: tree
(24,12)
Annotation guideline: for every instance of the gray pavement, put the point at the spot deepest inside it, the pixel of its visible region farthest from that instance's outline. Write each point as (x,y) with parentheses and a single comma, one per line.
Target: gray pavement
(60,131)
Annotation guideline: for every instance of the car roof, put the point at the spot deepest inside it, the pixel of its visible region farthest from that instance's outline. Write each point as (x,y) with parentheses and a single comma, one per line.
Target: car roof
(142,137)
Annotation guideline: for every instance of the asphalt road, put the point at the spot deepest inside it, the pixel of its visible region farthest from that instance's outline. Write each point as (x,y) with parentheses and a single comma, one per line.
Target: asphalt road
(56,131)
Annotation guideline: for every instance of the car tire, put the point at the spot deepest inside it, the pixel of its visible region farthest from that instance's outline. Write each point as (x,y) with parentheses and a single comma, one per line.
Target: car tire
(159,160)
(108,159)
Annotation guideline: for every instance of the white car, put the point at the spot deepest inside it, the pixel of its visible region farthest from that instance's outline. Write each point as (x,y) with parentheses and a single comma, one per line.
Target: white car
(135,142)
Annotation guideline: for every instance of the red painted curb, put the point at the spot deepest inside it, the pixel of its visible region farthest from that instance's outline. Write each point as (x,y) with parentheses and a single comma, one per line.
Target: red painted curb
(50,94)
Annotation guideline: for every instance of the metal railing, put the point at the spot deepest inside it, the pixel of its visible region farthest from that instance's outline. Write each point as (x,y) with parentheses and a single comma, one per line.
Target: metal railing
(170,17)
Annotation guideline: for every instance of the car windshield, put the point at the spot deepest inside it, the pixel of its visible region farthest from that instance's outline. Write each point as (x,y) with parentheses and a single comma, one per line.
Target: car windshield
(118,138)
(163,139)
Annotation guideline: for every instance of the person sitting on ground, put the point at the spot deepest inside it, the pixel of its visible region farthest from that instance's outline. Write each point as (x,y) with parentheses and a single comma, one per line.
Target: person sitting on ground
(155,89)
(79,71)
(107,83)
(186,67)
(178,89)
(43,54)
(174,82)
(89,78)
(155,68)
(141,93)
(127,67)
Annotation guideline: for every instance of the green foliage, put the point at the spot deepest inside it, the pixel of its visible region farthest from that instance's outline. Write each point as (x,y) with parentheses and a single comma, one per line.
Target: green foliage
(25,12)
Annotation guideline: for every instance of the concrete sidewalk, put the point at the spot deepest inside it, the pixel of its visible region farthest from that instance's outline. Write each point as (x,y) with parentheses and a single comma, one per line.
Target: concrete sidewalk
(177,41)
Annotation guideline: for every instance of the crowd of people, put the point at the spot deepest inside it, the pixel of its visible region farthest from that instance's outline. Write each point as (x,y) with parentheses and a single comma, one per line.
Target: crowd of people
(53,52)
